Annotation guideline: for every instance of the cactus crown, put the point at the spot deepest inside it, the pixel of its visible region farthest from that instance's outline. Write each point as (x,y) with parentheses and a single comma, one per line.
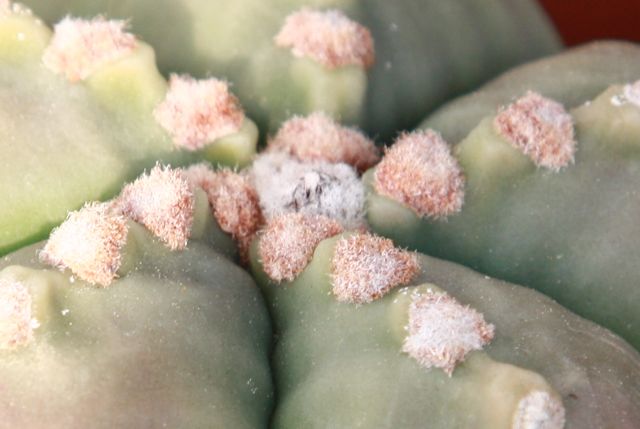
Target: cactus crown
(541,128)
(328,37)
(318,137)
(285,185)
(89,243)
(420,171)
(16,322)
(365,267)
(79,47)
(442,331)
(197,112)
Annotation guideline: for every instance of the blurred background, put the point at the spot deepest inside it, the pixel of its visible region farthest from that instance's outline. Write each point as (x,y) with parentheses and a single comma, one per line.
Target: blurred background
(579,21)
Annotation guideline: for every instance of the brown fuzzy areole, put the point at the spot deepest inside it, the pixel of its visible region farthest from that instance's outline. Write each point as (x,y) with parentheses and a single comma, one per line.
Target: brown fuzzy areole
(288,241)
(365,267)
(163,202)
(541,128)
(328,37)
(420,172)
(318,137)
(89,243)
(16,322)
(198,112)
(234,202)
(442,331)
(80,47)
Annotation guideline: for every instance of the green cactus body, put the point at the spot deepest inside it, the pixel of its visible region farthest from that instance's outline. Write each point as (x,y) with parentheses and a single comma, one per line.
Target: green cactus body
(339,364)
(65,141)
(426,52)
(572,78)
(569,233)
(181,339)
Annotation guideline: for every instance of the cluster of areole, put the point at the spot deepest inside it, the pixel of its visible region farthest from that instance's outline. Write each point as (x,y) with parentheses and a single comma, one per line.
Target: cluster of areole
(414,340)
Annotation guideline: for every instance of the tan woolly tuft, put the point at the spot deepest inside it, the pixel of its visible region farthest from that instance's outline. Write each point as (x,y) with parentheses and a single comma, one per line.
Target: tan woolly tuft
(79,47)
(89,243)
(163,202)
(16,322)
(288,241)
(198,112)
(328,37)
(234,202)
(541,128)
(632,93)
(539,410)
(318,137)
(442,331)
(365,267)
(420,172)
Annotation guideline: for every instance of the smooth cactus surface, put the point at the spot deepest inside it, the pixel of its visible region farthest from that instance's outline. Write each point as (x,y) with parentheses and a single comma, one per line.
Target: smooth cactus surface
(84,109)
(129,333)
(549,203)
(295,57)
(452,348)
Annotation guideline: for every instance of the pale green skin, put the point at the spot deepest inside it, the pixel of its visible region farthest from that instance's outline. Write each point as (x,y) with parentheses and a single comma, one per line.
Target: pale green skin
(339,365)
(181,340)
(66,143)
(571,77)
(572,235)
(427,51)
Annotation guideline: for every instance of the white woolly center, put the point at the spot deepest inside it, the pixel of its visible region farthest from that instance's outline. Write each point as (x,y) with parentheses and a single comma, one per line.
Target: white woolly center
(285,185)
(539,410)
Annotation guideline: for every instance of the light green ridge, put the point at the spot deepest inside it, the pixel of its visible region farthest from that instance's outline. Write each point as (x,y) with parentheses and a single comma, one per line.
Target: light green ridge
(339,365)
(571,77)
(180,340)
(570,234)
(66,143)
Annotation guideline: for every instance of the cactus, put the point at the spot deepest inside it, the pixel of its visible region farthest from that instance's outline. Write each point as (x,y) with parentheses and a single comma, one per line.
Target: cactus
(85,109)
(549,194)
(369,335)
(572,77)
(137,328)
(425,51)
